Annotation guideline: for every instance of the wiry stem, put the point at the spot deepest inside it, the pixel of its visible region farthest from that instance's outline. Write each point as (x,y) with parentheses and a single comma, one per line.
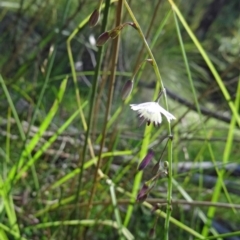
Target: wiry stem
(147,34)
(116,42)
(93,95)
(159,81)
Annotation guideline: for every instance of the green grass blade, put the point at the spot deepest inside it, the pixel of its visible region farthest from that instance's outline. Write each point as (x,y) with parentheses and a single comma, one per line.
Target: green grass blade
(138,176)
(47,144)
(10,102)
(11,232)
(87,222)
(208,62)
(88,164)
(226,155)
(115,207)
(9,207)
(47,121)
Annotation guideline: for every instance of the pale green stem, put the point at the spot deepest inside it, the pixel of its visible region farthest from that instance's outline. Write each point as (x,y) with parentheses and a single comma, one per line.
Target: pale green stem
(158,82)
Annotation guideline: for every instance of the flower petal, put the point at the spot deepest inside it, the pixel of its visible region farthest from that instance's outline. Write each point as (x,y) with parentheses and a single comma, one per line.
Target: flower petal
(167,114)
(151,112)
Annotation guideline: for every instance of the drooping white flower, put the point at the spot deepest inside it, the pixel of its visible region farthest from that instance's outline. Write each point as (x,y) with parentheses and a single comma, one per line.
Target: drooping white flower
(151,112)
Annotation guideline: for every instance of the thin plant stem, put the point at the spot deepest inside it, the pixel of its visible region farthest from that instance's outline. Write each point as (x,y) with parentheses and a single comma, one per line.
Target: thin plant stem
(116,42)
(115,206)
(79,104)
(9,206)
(159,201)
(220,182)
(93,95)
(159,82)
(8,137)
(120,108)
(147,34)
(226,155)
(10,102)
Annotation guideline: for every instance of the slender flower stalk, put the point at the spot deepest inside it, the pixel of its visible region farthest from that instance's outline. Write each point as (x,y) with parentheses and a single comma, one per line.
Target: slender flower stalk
(102,39)
(159,81)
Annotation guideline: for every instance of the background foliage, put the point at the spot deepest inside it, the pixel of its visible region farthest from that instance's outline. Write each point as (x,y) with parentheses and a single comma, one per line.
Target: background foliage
(51,185)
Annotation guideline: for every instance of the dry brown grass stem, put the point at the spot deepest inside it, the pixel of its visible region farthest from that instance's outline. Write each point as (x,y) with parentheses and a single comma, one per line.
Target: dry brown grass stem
(116,42)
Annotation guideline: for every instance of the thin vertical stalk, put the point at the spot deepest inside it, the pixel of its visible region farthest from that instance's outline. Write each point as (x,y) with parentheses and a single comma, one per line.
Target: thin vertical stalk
(94,88)
(8,136)
(120,108)
(79,104)
(116,42)
(138,176)
(226,155)
(115,206)
(14,111)
(92,103)
(220,182)
(147,34)
(9,206)
(159,82)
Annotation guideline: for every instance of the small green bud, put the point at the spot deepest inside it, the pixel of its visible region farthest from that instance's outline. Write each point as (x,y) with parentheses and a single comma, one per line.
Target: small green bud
(130,24)
(166,164)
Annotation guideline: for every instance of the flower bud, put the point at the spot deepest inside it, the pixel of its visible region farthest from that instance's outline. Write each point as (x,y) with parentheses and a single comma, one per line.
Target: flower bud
(152,233)
(114,33)
(94,18)
(149,60)
(131,24)
(143,193)
(102,39)
(166,164)
(127,89)
(146,160)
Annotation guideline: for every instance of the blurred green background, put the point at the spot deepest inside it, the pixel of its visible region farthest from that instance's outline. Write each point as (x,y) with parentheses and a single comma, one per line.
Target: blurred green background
(37,203)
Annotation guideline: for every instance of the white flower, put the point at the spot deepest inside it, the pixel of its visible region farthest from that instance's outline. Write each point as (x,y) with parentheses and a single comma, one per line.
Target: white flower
(151,112)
